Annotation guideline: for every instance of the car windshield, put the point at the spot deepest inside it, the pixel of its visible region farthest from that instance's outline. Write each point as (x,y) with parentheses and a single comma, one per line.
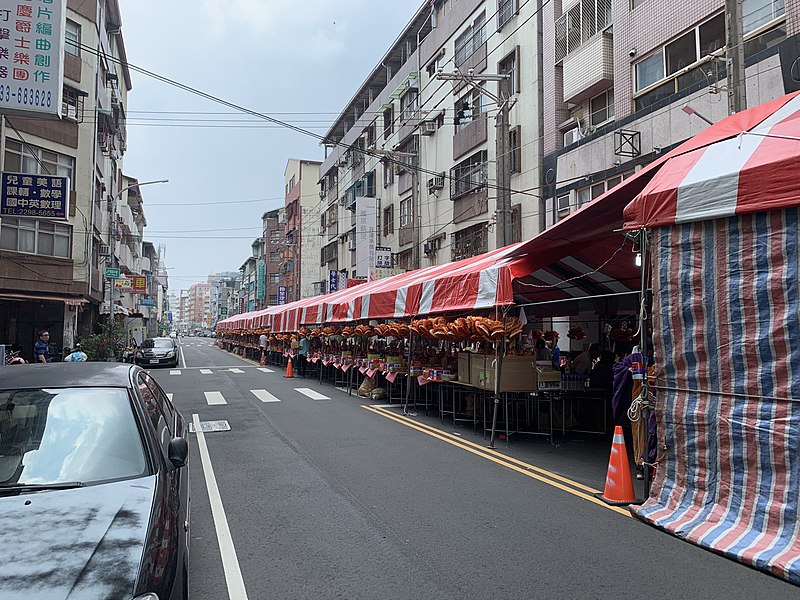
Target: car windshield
(157,343)
(73,434)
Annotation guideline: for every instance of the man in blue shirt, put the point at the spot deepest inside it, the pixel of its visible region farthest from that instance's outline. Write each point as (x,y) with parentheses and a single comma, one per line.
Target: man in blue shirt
(41,350)
(302,356)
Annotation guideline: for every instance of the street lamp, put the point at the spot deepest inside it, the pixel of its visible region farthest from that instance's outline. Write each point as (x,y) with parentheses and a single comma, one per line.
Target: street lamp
(109,285)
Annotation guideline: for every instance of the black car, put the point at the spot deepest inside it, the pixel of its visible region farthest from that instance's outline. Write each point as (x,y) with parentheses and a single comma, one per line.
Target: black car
(157,351)
(94,487)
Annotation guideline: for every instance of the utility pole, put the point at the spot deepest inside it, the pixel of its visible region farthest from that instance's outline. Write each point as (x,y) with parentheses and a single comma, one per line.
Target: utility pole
(737,94)
(503,158)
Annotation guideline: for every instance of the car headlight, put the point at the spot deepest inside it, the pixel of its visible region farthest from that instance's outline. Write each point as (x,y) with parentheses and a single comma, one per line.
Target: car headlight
(171,353)
(139,353)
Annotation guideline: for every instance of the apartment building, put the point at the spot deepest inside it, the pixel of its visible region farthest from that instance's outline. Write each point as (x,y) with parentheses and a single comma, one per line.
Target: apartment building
(198,308)
(273,224)
(627,80)
(300,265)
(51,271)
(411,162)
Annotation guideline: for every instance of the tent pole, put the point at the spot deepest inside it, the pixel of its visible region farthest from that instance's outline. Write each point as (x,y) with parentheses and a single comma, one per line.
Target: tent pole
(645,406)
(408,375)
(498,369)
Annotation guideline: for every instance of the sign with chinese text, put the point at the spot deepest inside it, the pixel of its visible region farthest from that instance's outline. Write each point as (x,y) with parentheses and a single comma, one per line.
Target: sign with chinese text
(261,280)
(366,234)
(34,196)
(281,294)
(123,283)
(383,257)
(32,57)
(139,285)
(147,302)
(378,273)
(223,311)
(333,280)
(112,273)
(354,282)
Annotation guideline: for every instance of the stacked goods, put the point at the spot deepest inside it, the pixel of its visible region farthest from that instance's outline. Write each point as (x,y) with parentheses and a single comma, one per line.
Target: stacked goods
(622,334)
(576,333)
(467,328)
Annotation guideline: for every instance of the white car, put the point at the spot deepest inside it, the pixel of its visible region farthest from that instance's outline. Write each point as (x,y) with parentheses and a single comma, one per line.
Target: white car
(172,334)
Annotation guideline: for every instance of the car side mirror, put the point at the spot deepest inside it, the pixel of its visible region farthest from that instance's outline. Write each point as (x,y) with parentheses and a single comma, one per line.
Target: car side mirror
(178,452)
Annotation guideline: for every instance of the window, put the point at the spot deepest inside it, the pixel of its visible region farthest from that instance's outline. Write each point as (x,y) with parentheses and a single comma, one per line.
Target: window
(35,236)
(669,62)
(21,159)
(72,38)
(506,9)
(403,259)
(274,257)
(274,277)
(470,40)
(388,122)
(579,24)
(273,299)
(602,108)
(515,150)
(469,175)
(388,220)
(71,105)
(510,66)
(469,108)
(468,242)
(388,173)
(562,203)
(409,104)
(756,13)
(406,212)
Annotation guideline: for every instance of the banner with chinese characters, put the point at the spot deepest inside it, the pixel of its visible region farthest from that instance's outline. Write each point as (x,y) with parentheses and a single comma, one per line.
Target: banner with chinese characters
(34,196)
(32,57)
(261,280)
(139,285)
(333,280)
(281,294)
(366,234)
(378,273)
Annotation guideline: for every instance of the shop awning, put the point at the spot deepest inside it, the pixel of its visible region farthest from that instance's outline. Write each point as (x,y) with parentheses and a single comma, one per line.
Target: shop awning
(751,166)
(68,300)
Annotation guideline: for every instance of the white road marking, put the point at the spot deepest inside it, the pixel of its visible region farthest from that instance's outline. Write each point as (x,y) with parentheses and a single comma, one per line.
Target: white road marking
(265,370)
(183,358)
(264,396)
(314,395)
(230,562)
(175,372)
(214,398)
(206,371)
(236,371)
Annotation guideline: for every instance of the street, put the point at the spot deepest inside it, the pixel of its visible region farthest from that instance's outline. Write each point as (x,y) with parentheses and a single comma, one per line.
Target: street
(324,498)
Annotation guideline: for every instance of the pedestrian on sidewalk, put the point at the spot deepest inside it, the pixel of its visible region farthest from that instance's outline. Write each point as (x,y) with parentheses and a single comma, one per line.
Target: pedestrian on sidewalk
(41,349)
(263,342)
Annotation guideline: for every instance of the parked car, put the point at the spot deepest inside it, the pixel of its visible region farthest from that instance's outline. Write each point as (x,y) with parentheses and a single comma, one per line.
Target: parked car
(157,351)
(94,490)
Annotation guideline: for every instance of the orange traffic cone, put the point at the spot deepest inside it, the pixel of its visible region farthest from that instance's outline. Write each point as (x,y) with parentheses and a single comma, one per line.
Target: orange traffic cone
(619,486)
(290,373)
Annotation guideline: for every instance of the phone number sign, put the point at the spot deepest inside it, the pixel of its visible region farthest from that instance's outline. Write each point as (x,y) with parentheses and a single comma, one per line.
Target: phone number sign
(34,196)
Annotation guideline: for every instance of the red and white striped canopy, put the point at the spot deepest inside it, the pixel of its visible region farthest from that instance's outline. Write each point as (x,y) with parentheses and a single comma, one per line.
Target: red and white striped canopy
(751,166)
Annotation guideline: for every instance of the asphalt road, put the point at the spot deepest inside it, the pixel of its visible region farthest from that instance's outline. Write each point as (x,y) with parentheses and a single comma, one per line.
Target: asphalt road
(324,498)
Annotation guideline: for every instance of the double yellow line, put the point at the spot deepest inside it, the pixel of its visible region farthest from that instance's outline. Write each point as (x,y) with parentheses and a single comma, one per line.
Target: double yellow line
(547,477)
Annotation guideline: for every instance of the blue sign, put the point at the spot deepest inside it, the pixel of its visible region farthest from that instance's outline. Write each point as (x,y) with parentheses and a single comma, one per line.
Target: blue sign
(281,294)
(34,196)
(333,280)
(169,317)
(147,302)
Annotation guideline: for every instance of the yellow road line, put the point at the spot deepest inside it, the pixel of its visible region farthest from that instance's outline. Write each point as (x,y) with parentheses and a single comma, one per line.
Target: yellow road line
(513,464)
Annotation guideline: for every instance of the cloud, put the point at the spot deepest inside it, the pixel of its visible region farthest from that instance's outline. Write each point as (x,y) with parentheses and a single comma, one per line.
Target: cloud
(307,29)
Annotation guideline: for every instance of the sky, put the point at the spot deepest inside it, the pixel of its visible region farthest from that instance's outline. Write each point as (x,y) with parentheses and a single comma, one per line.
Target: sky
(299,61)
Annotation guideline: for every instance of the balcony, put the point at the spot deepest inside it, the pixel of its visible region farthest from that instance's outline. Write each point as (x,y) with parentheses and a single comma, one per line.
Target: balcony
(589,70)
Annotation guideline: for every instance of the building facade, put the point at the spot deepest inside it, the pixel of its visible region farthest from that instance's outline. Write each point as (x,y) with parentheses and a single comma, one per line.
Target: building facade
(300,260)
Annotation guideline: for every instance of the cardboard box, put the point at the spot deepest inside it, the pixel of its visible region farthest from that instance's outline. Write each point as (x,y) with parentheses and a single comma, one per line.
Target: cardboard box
(549,379)
(464,359)
(518,373)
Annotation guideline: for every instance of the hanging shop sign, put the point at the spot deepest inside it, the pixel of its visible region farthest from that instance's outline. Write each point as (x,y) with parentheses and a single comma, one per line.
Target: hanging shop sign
(32,41)
(261,280)
(139,284)
(383,258)
(281,294)
(34,196)
(366,234)
(333,280)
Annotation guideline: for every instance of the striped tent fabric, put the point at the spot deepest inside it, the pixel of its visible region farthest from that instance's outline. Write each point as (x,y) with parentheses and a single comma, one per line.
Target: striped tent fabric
(727,347)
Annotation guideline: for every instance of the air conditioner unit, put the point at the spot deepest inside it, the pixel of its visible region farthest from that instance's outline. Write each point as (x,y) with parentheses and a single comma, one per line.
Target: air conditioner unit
(428,127)
(572,136)
(105,250)
(436,183)
(352,244)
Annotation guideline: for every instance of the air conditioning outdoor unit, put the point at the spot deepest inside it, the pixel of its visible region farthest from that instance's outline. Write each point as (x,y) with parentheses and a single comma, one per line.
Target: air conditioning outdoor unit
(428,127)
(572,136)
(105,250)
(436,182)
(352,244)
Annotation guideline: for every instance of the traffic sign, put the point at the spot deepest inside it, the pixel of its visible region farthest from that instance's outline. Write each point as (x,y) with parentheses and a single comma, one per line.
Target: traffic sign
(112,273)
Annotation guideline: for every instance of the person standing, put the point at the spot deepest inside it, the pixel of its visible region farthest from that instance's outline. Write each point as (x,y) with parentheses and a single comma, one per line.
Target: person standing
(41,349)
(302,356)
(263,341)
(583,363)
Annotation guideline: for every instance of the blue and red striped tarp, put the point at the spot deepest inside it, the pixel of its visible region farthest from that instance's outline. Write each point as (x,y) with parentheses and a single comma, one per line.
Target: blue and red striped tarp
(727,345)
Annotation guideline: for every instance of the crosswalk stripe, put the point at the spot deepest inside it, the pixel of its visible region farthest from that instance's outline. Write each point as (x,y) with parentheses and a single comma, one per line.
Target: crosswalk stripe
(236,371)
(177,372)
(311,394)
(265,370)
(205,371)
(264,396)
(214,398)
